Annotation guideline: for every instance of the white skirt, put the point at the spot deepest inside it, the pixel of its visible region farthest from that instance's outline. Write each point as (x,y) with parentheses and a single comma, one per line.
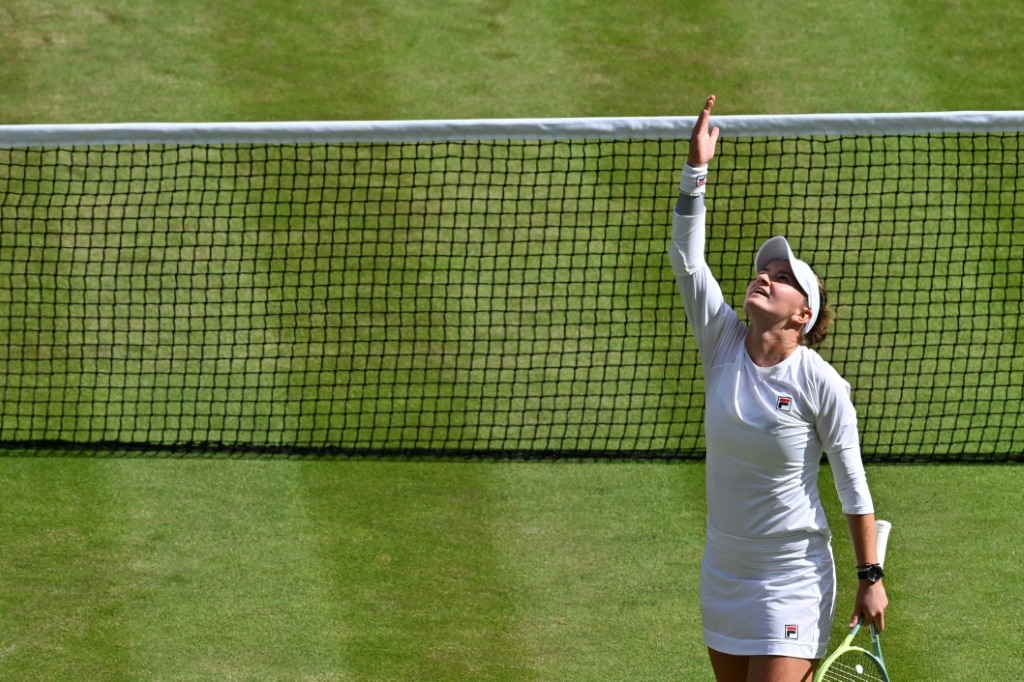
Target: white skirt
(773,597)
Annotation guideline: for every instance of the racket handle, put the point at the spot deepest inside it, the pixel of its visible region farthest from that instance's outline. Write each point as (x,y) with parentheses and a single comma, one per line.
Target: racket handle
(882,529)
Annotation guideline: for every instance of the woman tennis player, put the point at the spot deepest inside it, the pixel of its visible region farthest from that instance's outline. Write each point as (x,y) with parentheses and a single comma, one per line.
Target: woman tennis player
(772,406)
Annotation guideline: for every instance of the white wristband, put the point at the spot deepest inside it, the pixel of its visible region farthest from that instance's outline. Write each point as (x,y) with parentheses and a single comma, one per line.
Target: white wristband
(693,180)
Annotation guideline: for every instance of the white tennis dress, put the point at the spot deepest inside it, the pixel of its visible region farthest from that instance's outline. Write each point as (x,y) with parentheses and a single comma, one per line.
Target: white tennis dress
(768,576)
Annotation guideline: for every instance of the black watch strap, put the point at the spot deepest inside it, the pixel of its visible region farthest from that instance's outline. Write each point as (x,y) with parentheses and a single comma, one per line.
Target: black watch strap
(870,572)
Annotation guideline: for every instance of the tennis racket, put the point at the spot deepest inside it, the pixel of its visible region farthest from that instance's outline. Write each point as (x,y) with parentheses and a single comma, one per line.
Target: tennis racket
(850,662)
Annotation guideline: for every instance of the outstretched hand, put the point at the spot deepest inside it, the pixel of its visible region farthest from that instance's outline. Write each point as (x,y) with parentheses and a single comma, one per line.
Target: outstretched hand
(702,141)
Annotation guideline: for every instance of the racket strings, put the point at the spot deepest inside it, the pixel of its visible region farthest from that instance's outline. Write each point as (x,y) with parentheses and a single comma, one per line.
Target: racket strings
(855,666)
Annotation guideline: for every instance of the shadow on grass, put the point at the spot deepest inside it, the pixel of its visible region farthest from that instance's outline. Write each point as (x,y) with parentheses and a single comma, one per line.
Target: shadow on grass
(235,451)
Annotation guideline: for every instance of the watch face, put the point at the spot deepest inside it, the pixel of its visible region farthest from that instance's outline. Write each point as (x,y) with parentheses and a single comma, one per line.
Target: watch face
(871,573)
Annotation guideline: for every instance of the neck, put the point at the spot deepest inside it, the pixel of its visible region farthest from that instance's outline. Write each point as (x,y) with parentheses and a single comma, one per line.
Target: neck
(769,347)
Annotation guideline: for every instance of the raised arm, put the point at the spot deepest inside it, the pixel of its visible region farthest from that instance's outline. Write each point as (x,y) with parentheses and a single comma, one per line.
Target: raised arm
(709,315)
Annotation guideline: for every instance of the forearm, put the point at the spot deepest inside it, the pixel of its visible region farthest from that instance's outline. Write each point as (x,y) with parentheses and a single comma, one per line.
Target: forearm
(689,205)
(687,250)
(871,600)
(862,535)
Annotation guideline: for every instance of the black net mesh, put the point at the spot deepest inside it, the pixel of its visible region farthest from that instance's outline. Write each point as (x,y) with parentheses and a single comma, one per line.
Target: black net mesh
(490,298)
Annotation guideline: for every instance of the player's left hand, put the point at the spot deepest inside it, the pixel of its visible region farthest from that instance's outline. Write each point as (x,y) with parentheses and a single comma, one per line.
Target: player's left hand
(702,140)
(871,603)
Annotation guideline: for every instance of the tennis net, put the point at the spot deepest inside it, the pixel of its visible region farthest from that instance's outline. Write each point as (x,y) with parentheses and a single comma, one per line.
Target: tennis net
(490,288)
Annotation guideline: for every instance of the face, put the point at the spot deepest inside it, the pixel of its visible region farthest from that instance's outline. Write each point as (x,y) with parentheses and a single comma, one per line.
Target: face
(775,296)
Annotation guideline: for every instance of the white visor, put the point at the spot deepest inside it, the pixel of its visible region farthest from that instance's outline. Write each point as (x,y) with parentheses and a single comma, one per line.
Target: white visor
(777,248)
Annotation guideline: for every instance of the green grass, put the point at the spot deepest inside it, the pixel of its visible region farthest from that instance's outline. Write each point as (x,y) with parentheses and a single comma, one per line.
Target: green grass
(142,568)
(67,61)
(346,570)
(370,570)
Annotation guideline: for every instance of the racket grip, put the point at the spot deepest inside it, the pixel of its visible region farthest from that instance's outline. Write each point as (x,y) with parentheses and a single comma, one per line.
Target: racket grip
(882,529)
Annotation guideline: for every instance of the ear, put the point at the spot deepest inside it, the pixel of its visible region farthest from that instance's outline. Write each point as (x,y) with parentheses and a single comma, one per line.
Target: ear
(803,316)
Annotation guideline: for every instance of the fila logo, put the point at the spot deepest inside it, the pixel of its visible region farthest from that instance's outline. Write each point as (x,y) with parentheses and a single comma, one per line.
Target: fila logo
(792,632)
(702,180)
(785,403)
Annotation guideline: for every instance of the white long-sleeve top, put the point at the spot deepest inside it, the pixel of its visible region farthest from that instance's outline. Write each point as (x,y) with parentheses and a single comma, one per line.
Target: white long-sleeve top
(765,427)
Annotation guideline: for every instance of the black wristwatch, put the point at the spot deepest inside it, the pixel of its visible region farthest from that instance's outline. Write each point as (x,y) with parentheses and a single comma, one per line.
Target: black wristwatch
(870,572)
